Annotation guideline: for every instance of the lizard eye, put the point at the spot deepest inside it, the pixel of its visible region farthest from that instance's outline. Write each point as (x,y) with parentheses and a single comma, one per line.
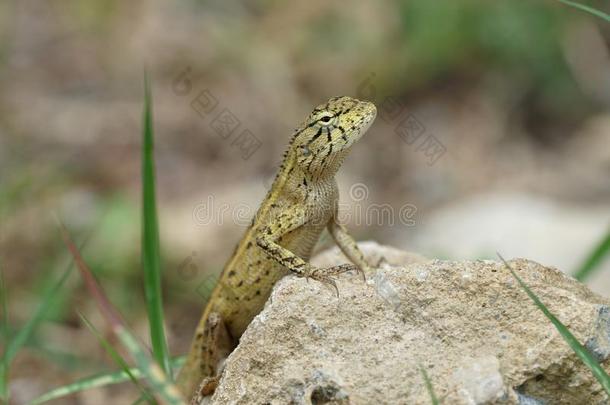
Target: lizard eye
(306,151)
(326,119)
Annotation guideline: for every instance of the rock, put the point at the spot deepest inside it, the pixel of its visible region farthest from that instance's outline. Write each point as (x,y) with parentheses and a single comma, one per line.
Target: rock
(468,324)
(524,225)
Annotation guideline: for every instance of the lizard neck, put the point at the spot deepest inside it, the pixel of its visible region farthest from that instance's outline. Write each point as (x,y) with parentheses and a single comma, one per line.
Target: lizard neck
(326,170)
(293,178)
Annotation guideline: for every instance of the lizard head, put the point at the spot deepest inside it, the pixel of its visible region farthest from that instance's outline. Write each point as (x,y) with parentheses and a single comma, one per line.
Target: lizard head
(326,136)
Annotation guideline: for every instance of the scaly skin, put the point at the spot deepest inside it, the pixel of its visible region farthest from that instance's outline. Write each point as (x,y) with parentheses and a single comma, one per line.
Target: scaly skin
(302,202)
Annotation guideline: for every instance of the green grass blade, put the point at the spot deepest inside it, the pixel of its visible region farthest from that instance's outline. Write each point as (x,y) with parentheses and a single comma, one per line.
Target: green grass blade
(158,380)
(587,9)
(151,256)
(117,358)
(22,337)
(594,259)
(155,376)
(24,334)
(576,346)
(4,335)
(63,359)
(433,398)
(139,400)
(96,381)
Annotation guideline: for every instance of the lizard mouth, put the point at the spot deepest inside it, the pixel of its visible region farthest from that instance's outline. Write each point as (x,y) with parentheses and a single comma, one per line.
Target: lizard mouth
(368,112)
(370,116)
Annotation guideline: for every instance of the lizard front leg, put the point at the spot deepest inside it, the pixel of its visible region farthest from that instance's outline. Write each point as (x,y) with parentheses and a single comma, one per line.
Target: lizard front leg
(348,246)
(269,237)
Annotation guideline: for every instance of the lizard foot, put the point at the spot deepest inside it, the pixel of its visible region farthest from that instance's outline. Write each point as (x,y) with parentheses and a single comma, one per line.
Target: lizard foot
(324,275)
(207,387)
(342,268)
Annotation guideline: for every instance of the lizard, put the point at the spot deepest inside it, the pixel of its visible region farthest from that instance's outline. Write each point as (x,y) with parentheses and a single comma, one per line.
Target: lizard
(301,203)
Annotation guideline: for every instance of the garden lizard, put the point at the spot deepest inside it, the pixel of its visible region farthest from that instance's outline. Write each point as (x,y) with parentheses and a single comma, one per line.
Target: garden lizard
(301,203)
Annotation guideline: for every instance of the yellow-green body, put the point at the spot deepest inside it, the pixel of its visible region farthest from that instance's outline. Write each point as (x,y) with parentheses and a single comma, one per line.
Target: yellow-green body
(301,203)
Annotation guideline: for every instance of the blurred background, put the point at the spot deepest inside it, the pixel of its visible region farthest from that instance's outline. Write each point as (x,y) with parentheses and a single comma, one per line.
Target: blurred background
(493,134)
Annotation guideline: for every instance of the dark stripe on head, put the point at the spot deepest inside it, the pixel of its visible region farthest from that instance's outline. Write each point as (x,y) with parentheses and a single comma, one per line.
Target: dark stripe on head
(316,136)
(348,110)
(330,150)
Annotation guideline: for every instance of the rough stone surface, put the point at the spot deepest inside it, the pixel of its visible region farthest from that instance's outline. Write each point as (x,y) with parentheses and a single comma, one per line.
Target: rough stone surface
(468,324)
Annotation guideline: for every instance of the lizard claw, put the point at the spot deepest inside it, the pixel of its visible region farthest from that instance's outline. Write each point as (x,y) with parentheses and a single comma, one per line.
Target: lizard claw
(362,273)
(323,276)
(333,283)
